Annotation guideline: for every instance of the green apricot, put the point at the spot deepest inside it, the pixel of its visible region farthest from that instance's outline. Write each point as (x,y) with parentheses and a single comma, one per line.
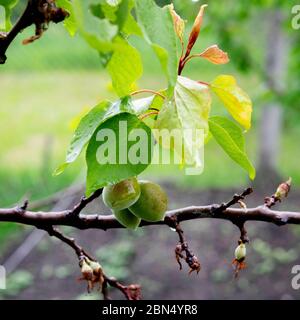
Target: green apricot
(121,195)
(127,219)
(152,203)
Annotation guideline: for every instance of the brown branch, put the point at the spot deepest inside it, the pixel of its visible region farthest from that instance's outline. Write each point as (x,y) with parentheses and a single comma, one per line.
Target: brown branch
(131,292)
(173,218)
(37,12)
(54,232)
(84,202)
(235,199)
(105,222)
(189,257)
(223,211)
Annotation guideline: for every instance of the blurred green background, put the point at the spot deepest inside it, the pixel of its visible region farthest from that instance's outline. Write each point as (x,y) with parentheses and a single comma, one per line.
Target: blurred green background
(47,85)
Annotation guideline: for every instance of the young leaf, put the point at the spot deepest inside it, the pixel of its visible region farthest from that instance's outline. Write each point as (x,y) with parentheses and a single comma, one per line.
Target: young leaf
(189,110)
(215,55)
(195,30)
(110,160)
(179,23)
(125,67)
(230,137)
(157,27)
(234,98)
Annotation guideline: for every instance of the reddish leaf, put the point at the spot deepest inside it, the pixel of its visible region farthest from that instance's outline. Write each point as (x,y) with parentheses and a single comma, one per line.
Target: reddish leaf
(195,30)
(215,55)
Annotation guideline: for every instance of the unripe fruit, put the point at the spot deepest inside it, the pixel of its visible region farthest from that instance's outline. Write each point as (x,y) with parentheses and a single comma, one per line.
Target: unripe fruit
(121,195)
(152,203)
(127,219)
(240,252)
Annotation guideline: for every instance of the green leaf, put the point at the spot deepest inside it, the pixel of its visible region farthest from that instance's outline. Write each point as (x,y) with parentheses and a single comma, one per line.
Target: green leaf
(131,26)
(70,22)
(230,137)
(83,133)
(98,33)
(234,98)
(8,6)
(158,29)
(125,67)
(234,130)
(107,160)
(97,115)
(87,126)
(126,22)
(118,13)
(189,110)
(101,26)
(140,106)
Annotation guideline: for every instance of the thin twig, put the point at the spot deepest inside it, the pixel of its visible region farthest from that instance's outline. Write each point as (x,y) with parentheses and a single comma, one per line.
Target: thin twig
(235,199)
(148,91)
(131,292)
(84,202)
(146,115)
(54,232)
(189,256)
(203,82)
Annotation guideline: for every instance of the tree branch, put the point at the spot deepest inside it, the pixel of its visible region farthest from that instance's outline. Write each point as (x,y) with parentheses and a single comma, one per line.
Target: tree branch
(37,12)
(131,292)
(105,222)
(84,202)
(92,271)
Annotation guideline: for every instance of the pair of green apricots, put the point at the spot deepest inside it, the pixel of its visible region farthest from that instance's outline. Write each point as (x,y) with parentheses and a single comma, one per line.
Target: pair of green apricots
(132,201)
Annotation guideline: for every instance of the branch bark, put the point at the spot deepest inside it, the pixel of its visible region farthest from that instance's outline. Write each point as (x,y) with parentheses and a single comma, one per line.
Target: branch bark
(95,275)
(105,222)
(37,12)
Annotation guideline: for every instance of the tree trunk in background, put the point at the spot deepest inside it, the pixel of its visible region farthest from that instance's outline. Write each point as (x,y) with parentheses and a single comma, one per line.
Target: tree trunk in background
(270,128)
